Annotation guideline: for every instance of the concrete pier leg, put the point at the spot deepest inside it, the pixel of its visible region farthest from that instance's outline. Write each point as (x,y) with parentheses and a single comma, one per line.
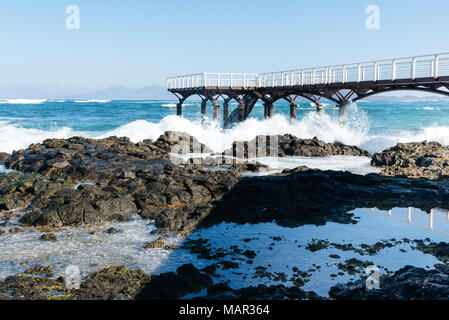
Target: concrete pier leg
(241,111)
(216,110)
(179,109)
(203,110)
(293,110)
(270,110)
(319,107)
(225,115)
(265,111)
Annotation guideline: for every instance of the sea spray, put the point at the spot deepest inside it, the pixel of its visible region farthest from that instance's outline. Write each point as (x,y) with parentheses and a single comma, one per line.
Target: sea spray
(18,133)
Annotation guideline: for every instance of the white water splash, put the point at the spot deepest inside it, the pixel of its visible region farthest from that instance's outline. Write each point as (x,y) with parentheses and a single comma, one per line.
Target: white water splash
(325,127)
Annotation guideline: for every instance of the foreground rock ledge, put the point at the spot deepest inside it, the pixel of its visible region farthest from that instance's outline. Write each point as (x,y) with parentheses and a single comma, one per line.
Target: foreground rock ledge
(119,283)
(78,182)
(408,283)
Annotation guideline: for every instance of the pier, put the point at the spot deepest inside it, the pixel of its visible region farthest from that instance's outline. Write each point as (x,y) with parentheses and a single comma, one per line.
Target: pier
(341,84)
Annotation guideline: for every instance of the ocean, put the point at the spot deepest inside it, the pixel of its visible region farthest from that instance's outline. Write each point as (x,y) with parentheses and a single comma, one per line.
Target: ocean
(372,125)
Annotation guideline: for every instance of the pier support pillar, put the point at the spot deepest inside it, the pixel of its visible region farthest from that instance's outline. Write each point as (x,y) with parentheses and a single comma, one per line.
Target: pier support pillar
(269,110)
(203,107)
(216,110)
(319,107)
(225,114)
(241,110)
(293,110)
(179,109)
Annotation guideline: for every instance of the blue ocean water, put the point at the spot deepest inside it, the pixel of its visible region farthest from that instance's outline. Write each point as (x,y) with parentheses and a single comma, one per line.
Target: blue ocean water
(373,125)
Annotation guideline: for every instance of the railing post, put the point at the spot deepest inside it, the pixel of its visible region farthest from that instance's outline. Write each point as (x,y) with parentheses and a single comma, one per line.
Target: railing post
(344,74)
(302,77)
(413,68)
(313,77)
(282,79)
(231,84)
(272,80)
(375,72)
(244,81)
(437,61)
(291,79)
(393,72)
(359,69)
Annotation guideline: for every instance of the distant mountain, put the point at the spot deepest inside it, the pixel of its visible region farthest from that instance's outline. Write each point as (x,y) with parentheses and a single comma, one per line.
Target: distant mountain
(151,92)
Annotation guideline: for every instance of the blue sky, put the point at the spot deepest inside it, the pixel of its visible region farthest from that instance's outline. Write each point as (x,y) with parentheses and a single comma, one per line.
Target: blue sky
(135,43)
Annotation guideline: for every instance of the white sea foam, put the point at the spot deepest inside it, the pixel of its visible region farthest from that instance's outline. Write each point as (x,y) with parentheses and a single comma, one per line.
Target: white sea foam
(22,101)
(91,101)
(15,138)
(323,126)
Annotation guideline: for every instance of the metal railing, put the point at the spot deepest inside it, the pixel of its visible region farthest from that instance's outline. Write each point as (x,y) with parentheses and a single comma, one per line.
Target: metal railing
(409,68)
(200,80)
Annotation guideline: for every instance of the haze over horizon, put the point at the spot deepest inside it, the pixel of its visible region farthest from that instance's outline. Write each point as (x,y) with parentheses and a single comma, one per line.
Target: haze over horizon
(139,43)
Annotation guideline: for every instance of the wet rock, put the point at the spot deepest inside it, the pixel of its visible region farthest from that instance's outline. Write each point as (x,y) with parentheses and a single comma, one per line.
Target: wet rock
(117,283)
(438,250)
(39,270)
(172,286)
(159,243)
(304,196)
(48,237)
(261,292)
(112,230)
(129,178)
(415,160)
(289,145)
(408,283)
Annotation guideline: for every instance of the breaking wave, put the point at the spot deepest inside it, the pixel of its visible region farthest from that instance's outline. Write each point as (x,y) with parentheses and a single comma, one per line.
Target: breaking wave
(325,127)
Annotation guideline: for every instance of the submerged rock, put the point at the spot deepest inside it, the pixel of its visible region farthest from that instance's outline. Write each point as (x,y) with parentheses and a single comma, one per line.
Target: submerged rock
(48,237)
(408,283)
(417,159)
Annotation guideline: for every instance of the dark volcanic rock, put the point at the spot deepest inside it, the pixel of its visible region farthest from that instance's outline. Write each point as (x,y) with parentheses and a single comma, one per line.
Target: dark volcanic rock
(289,145)
(417,159)
(111,283)
(261,292)
(408,283)
(18,189)
(172,286)
(48,237)
(119,283)
(302,196)
(129,178)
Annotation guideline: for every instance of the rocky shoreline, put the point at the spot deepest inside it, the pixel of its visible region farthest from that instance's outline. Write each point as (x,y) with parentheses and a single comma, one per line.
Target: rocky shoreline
(80,182)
